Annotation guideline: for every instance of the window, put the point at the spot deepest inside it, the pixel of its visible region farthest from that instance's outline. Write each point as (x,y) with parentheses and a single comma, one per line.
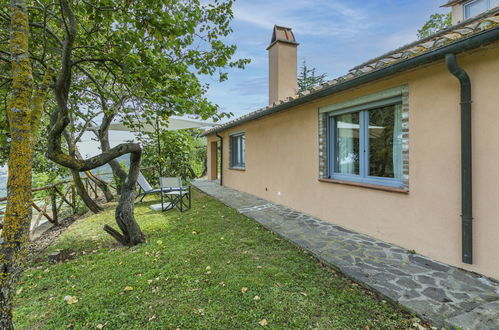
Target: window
(477,7)
(237,150)
(365,143)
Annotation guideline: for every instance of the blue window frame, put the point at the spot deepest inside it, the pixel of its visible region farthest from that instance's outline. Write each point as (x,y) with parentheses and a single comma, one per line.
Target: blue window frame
(365,143)
(238,150)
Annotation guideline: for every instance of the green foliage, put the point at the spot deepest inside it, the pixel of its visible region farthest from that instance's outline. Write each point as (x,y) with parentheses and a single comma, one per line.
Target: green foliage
(183,153)
(190,275)
(308,79)
(134,59)
(436,23)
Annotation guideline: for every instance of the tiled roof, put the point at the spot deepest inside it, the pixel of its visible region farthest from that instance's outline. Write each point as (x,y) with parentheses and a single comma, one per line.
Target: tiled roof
(463,30)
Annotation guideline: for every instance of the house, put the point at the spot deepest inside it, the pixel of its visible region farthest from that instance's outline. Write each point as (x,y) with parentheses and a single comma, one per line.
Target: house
(404,148)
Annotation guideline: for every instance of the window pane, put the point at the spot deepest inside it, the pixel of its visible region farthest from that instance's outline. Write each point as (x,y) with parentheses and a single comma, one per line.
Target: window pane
(347,143)
(385,142)
(474,8)
(237,150)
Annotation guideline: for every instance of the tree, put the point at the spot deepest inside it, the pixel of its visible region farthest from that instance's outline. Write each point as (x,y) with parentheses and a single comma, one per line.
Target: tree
(150,51)
(182,153)
(436,23)
(24,111)
(308,79)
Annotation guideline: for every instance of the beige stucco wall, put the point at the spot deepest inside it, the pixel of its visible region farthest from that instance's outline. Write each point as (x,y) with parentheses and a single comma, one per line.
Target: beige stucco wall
(457,13)
(282,166)
(282,70)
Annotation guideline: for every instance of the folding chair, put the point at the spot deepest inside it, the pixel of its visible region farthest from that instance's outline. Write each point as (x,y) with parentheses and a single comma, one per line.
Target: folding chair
(173,194)
(145,187)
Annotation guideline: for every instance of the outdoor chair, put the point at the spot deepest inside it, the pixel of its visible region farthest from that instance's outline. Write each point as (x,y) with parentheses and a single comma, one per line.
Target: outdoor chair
(174,194)
(145,187)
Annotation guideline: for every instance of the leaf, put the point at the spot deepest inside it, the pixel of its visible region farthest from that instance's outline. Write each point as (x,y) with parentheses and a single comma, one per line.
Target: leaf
(256,298)
(71,299)
(263,322)
(99,326)
(244,290)
(128,288)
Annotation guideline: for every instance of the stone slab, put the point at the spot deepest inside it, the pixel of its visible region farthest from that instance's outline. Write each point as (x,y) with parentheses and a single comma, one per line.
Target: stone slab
(157,207)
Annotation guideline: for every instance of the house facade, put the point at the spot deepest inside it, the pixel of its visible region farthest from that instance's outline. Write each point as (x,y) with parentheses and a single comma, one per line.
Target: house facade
(404,148)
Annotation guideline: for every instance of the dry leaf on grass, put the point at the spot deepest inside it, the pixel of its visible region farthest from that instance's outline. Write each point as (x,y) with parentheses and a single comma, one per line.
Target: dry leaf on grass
(263,322)
(71,300)
(244,290)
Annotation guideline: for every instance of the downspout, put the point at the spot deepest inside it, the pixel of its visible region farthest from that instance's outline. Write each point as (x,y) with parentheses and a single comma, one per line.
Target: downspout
(221,157)
(466,160)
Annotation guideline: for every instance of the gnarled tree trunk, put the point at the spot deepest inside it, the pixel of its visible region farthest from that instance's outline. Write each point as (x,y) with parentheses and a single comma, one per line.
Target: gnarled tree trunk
(102,186)
(130,230)
(83,193)
(80,186)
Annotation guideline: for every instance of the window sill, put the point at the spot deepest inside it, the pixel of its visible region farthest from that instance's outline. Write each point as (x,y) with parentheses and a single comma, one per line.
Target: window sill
(366,185)
(237,168)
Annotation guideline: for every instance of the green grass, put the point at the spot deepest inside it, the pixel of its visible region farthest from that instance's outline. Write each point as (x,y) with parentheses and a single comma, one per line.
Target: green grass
(190,274)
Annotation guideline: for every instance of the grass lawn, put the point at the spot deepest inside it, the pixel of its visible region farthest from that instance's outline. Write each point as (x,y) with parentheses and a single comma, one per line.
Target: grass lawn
(207,268)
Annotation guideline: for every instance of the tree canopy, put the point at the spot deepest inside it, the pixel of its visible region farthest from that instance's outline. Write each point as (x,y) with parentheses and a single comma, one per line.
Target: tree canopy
(308,78)
(437,22)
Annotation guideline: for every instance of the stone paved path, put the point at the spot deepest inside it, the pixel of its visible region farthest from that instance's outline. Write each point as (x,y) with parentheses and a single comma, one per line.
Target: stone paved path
(442,294)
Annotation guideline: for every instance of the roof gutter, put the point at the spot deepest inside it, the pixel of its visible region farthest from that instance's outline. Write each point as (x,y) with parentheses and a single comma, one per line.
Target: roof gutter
(466,159)
(478,40)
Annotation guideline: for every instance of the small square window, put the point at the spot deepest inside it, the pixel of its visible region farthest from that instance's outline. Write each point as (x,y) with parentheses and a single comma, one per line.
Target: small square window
(238,150)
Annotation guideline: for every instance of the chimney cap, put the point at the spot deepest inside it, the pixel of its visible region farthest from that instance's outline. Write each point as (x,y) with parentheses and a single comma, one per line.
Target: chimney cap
(283,34)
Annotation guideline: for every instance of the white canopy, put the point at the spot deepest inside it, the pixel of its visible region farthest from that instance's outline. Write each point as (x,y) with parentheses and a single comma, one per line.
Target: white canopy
(174,124)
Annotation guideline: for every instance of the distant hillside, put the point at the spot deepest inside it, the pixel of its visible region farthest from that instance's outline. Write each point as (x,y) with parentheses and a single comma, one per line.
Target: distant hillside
(124,160)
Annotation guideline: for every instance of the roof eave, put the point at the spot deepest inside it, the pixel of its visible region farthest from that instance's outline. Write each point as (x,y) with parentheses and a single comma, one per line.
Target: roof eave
(459,46)
(452,3)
